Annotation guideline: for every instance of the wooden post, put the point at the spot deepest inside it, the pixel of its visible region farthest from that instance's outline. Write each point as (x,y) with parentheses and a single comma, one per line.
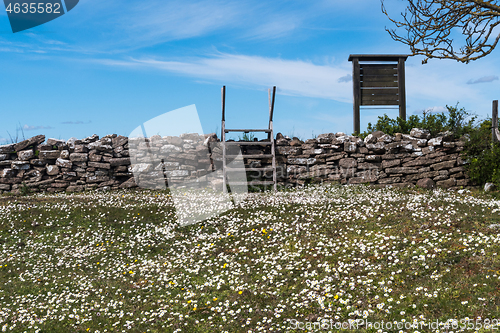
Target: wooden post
(271,134)
(494,121)
(401,88)
(223,138)
(356,84)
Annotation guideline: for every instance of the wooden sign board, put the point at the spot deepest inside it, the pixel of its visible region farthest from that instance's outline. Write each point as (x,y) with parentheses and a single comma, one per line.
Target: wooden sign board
(381,81)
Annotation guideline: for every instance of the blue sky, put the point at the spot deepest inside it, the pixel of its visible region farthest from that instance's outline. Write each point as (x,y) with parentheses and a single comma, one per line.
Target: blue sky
(108,66)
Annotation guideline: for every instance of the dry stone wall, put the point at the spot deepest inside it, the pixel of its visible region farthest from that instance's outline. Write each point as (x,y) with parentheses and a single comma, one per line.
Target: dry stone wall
(196,160)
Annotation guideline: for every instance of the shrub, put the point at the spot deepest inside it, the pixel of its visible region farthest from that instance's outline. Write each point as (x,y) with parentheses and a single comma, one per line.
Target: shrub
(482,155)
(455,120)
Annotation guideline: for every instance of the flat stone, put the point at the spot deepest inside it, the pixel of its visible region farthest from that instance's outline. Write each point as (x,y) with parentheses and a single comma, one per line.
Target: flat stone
(302,161)
(426,183)
(56,142)
(420,133)
(97,179)
(378,148)
(372,158)
(99,165)
(435,141)
(25,155)
(128,184)
(348,163)
(20,165)
(119,141)
(7,173)
(119,161)
(447,183)
(29,142)
(443,165)
(75,188)
(52,170)
(64,163)
(350,147)
(402,170)
(390,163)
(49,154)
(368,178)
(7,149)
(78,157)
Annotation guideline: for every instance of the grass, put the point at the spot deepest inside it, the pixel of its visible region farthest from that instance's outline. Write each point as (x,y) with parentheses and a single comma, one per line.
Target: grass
(119,261)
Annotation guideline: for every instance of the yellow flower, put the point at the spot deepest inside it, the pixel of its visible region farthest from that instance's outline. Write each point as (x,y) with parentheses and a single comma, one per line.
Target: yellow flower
(215,298)
(240,292)
(336,296)
(131,272)
(224,265)
(189,301)
(194,309)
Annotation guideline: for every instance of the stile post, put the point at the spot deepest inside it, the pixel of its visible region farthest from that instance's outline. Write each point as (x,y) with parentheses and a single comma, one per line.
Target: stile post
(494,121)
(223,137)
(356,94)
(401,88)
(271,134)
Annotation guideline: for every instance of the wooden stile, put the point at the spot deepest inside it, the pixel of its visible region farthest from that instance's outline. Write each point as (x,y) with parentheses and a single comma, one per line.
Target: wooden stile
(270,138)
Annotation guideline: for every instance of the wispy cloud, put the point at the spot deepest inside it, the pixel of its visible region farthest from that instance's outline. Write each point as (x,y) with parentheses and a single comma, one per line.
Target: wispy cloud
(346,78)
(489,78)
(294,77)
(77,122)
(34,128)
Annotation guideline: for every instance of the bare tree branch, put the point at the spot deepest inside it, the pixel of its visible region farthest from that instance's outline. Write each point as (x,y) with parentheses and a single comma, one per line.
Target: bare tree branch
(432,27)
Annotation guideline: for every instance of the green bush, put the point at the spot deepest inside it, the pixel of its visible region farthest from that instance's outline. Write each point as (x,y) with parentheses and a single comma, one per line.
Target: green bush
(482,155)
(455,120)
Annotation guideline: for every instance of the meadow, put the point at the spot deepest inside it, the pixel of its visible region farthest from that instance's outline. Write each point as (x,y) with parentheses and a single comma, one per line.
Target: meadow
(120,262)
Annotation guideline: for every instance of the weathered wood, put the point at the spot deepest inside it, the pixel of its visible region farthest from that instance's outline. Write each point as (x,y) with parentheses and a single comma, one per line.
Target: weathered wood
(370,102)
(377,57)
(356,84)
(378,84)
(271,142)
(247,130)
(379,91)
(223,129)
(248,143)
(494,121)
(389,65)
(250,156)
(379,71)
(372,83)
(401,88)
(379,78)
(394,98)
(271,137)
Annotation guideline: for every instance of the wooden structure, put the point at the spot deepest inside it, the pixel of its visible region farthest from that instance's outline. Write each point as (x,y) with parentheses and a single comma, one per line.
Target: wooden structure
(270,142)
(381,81)
(494,122)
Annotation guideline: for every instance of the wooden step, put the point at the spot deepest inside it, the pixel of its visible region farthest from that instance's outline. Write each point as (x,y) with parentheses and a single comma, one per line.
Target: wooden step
(253,182)
(247,130)
(249,169)
(252,156)
(248,143)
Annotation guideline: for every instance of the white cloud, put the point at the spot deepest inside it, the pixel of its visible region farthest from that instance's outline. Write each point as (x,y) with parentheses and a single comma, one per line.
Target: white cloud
(292,77)
(483,79)
(34,128)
